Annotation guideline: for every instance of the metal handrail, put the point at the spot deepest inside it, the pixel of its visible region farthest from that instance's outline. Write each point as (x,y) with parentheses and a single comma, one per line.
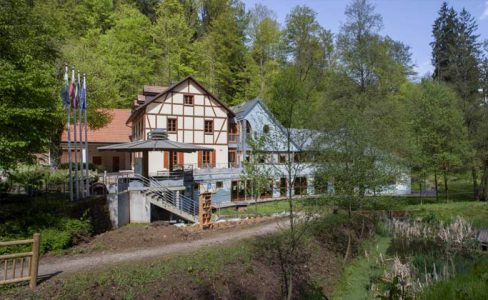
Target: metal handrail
(179,201)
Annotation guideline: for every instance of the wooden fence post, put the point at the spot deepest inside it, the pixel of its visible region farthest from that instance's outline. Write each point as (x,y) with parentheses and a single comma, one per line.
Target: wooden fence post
(34,263)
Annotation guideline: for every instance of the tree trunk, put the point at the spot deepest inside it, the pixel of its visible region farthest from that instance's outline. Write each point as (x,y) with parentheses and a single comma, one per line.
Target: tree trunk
(289,295)
(436,186)
(446,188)
(474,175)
(420,191)
(483,189)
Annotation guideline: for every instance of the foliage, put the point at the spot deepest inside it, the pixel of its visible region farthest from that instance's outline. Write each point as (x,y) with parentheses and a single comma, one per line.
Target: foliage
(472,284)
(425,253)
(458,61)
(364,134)
(29,175)
(355,281)
(27,55)
(439,136)
(254,174)
(56,232)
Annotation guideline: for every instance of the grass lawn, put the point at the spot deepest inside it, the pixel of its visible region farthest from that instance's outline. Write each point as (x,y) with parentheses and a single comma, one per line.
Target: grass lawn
(355,280)
(126,280)
(269,208)
(475,212)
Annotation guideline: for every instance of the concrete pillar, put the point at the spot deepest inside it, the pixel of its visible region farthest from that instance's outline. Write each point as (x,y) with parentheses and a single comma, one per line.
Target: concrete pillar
(140,207)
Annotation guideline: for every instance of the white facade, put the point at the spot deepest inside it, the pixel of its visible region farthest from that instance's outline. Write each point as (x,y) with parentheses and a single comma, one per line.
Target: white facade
(188,125)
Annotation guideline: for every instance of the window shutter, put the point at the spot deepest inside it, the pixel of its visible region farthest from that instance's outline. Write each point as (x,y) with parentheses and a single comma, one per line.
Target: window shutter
(181,158)
(200,159)
(166,159)
(213,158)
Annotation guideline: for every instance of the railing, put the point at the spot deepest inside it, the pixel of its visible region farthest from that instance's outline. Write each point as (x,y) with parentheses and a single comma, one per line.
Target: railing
(226,165)
(179,201)
(10,266)
(233,138)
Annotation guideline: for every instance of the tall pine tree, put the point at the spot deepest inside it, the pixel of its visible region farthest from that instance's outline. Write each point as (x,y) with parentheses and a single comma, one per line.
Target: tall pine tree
(456,60)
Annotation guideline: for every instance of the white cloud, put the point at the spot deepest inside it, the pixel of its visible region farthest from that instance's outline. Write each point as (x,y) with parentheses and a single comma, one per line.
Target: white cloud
(484,15)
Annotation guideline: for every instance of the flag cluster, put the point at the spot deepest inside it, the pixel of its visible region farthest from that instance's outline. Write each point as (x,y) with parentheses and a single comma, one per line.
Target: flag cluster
(73,92)
(73,96)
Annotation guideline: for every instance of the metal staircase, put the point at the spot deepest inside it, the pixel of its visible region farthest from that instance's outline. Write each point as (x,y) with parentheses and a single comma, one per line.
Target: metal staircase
(172,201)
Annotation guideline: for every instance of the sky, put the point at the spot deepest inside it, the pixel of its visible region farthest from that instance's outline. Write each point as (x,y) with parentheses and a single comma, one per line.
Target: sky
(408,21)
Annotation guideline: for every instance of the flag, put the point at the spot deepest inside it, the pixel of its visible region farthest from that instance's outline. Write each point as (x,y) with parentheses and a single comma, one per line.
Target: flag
(72,90)
(65,90)
(78,91)
(83,95)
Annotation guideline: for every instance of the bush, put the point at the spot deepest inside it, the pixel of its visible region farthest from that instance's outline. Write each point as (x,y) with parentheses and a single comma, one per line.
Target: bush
(334,231)
(54,239)
(56,232)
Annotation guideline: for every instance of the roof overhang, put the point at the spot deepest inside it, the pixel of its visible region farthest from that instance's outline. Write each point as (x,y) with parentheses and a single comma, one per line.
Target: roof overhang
(142,108)
(154,145)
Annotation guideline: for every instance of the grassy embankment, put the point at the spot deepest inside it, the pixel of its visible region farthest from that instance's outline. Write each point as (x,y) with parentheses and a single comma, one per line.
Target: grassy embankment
(244,269)
(357,275)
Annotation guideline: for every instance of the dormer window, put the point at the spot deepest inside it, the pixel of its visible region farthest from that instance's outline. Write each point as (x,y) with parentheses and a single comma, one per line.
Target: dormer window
(188,99)
(266,129)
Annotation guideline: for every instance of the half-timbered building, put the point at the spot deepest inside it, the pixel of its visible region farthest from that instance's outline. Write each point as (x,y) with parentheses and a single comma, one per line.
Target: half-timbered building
(190,114)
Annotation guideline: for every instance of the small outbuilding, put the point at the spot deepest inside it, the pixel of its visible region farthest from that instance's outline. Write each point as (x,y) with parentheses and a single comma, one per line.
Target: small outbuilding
(483,238)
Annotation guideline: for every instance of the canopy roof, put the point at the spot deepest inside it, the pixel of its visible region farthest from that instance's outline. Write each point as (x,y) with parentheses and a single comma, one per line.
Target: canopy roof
(157,141)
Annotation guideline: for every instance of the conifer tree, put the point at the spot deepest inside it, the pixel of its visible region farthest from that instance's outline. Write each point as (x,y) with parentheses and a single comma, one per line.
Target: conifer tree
(456,58)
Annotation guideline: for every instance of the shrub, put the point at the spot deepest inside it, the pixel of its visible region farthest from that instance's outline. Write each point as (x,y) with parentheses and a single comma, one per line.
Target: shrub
(54,239)
(56,232)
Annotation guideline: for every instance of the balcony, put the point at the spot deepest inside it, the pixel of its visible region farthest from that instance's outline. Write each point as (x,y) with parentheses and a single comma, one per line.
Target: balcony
(233,139)
(224,170)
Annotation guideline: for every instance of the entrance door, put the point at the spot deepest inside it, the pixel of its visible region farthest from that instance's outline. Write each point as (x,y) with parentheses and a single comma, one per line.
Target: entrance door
(301,186)
(282,187)
(115,164)
(234,191)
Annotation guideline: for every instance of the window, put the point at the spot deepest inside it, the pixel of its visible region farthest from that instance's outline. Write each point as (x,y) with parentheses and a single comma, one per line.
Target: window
(266,129)
(232,159)
(97,160)
(248,127)
(206,158)
(172,125)
(208,126)
(174,158)
(282,158)
(188,99)
(220,184)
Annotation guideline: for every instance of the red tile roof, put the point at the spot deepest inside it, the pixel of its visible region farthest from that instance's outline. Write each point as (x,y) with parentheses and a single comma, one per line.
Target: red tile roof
(114,132)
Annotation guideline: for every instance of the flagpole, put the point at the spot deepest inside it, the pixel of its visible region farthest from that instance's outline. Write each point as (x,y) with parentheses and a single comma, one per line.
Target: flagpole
(77,189)
(86,138)
(82,189)
(69,143)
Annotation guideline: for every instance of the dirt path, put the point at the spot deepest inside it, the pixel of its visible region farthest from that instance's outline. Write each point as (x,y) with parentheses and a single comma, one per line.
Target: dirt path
(69,264)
